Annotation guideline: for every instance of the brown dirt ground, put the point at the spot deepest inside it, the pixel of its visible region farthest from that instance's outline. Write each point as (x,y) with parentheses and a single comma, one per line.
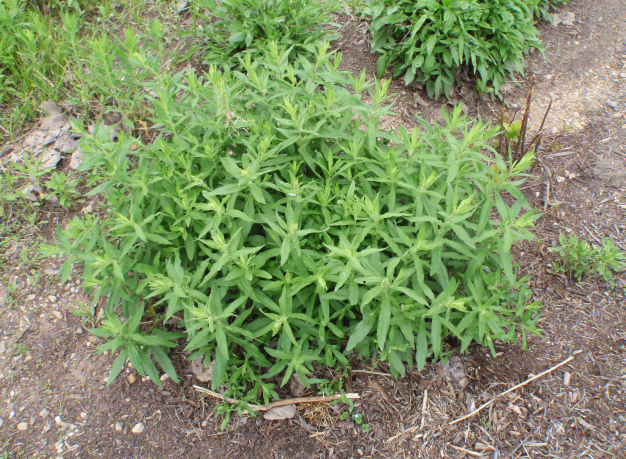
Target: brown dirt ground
(47,358)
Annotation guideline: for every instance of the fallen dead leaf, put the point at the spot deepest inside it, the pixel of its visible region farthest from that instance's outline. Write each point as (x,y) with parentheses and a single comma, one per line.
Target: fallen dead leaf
(420,101)
(296,385)
(280,412)
(454,371)
(564,17)
(202,373)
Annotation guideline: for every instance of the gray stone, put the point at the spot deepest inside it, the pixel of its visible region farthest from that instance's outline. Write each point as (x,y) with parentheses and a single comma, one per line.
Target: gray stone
(22,426)
(119,426)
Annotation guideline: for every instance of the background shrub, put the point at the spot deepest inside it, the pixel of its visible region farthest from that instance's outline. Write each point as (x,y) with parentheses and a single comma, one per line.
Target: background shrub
(234,27)
(545,8)
(282,228)
(431,40)
(33,51)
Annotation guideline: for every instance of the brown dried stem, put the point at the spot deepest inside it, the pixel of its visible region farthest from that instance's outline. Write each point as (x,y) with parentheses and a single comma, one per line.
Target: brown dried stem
(529,380)
(289,401)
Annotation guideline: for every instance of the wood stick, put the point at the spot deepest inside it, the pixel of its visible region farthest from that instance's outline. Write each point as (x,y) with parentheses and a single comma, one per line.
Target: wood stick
(370,372)
(466,451)
(288,401)
(485,405)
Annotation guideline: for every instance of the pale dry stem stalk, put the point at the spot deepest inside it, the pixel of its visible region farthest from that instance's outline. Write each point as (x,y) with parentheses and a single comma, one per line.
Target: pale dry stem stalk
(529,380)
(289,401)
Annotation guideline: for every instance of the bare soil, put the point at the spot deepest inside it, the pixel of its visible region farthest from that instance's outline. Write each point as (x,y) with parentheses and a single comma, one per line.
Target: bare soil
(54,401)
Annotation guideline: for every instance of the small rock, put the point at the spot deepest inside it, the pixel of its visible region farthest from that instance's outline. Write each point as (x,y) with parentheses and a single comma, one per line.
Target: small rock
(44,413)
(79,330)
(59,446)
(57,314)
(52,298)
(77,159)
(83,415)
(138,428)
(3,347)
(164,377)
(119,426)
(22,426)
(31,297)
(611,104)
(131,378)
(622,75)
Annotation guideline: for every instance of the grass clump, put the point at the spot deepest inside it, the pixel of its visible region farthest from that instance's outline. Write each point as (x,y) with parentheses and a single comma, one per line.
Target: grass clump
(431,41)
(579,259)
(282,229)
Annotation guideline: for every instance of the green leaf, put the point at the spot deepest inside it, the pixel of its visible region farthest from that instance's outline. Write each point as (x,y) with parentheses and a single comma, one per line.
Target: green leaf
(117,366)
(383,322)
(360,332)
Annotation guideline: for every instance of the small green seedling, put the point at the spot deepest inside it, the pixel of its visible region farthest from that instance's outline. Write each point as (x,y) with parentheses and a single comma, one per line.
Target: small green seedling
(579,259)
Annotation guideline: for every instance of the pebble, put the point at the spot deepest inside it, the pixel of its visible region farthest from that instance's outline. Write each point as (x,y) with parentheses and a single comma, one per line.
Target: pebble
(44,413)
(566,378)
(131,378)
(3,347)
(622,75)
(57,314)
(22,426)
(59,446)
(83,415)
(31,297)
(79,331)
(611,104)
(52,298)
(119,426)
(138,428)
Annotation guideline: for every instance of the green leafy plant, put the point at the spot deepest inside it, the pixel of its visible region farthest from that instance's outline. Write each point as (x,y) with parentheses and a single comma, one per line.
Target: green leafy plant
(546,8)
(235,27)
(431,41)
(282,228)
(579,259)
(65,190)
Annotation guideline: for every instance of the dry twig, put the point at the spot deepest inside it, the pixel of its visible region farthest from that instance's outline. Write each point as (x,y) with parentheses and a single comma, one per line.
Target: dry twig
(289,401)
(529,380)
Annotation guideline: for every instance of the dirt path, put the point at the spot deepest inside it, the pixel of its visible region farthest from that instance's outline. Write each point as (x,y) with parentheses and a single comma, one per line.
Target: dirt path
(54,402)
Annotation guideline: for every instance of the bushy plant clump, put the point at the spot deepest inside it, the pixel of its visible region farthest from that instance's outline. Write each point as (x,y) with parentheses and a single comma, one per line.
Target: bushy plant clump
(234,27)
(280,228)
(545,8)
(430,41)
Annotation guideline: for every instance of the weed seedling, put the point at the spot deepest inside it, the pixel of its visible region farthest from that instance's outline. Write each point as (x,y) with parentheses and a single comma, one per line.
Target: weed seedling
(579,259)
